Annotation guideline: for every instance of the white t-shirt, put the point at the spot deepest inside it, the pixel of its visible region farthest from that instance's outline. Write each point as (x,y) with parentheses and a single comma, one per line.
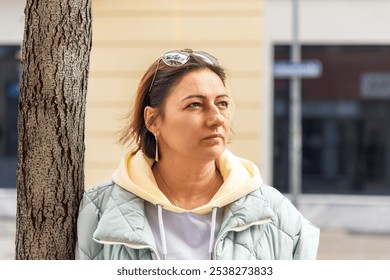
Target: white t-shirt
(187,234)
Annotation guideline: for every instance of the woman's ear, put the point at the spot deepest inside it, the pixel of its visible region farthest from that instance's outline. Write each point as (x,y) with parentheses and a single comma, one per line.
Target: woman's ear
(151,119)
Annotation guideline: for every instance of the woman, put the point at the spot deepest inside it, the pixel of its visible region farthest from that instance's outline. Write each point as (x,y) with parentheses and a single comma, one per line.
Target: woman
(181,194)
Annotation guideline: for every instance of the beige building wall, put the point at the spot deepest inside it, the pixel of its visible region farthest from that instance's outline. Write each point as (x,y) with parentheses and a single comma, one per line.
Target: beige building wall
(129,35)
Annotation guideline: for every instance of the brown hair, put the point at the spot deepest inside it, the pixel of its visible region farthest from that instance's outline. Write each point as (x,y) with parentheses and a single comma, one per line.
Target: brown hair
(165,78)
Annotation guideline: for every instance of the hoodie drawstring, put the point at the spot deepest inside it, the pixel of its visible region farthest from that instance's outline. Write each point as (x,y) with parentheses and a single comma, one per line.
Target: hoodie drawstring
(162,232)
(212,231)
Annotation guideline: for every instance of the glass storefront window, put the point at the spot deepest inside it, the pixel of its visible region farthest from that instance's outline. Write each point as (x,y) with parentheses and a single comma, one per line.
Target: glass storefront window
(9,98)
(345,121)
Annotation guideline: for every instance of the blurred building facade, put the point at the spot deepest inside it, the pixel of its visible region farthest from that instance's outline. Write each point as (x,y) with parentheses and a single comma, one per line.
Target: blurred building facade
(11,32)
(346,135)
(345,111)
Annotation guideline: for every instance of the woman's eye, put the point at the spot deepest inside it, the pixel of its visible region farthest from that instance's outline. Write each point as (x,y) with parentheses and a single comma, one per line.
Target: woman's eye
(195,104)
(224,104)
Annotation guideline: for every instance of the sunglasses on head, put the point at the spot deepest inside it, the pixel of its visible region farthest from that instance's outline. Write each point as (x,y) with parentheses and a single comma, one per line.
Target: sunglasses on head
(178,58)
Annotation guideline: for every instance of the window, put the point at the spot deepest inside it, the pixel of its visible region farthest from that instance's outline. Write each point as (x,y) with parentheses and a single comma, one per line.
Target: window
(345,121)
(9,98)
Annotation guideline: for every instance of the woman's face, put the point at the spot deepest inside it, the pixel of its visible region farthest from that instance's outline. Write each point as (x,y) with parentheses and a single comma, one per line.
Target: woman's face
(196,119)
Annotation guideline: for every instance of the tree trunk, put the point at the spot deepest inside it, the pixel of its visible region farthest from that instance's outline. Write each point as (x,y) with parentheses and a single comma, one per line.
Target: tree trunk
(50,171)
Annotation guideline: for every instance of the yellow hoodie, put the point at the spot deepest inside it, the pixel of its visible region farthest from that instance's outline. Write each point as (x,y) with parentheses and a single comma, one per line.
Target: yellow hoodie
(240,178)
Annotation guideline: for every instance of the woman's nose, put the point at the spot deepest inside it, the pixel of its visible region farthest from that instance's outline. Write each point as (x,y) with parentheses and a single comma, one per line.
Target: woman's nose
(214,117)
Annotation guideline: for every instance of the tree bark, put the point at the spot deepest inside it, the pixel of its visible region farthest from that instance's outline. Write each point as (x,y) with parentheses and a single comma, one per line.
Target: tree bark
(50,172)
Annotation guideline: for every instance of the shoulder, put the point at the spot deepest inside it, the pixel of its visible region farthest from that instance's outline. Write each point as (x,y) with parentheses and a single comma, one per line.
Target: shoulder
(100,195)
(96,194)
(274,197)
(288,218)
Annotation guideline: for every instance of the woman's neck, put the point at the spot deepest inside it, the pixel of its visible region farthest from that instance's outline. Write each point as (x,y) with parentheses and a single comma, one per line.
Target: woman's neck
(187,186)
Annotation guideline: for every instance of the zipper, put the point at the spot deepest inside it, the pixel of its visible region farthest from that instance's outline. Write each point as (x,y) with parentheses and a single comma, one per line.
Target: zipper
(238,229)
(131,246)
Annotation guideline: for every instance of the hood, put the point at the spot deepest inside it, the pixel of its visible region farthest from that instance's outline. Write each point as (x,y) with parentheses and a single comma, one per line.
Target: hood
(240,176)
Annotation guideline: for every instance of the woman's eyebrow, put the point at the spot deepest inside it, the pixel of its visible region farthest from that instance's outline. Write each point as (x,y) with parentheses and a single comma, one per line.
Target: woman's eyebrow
(194,96)
(203,96)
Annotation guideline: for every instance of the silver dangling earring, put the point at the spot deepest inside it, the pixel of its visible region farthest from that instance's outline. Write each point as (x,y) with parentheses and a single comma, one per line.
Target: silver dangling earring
(156,153)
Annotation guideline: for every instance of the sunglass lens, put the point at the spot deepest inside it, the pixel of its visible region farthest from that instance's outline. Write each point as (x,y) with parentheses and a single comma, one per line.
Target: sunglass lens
(175,58)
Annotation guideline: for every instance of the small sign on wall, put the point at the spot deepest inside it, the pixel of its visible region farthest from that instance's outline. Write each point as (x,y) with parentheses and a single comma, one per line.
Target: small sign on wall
(305,69)
(375,85)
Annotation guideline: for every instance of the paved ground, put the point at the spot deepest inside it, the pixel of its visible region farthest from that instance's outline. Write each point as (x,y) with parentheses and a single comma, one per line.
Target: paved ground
(334,244)
(7,238)
(342,245)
